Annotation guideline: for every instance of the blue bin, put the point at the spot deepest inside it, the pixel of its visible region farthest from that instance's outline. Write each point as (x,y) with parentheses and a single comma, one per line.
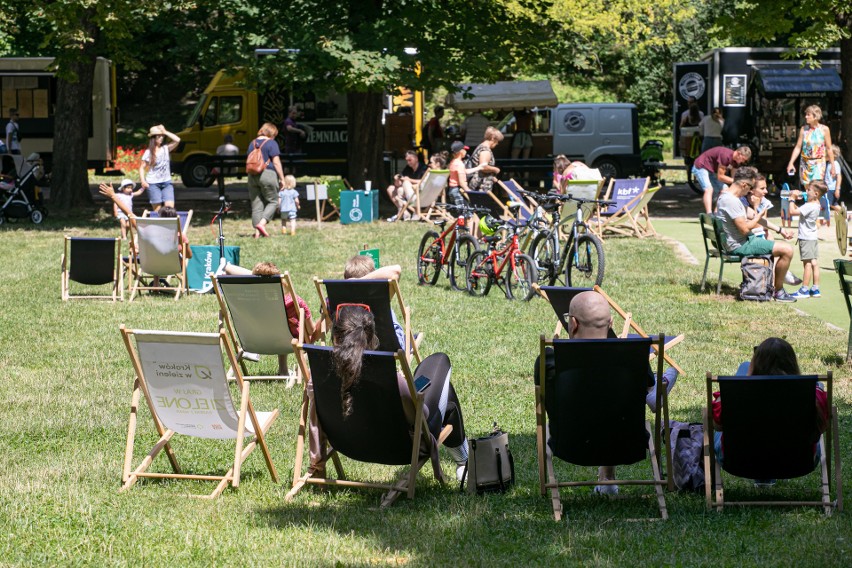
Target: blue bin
(359,206)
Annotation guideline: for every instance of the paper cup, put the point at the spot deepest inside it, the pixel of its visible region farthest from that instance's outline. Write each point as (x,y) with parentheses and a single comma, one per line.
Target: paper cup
(368,185)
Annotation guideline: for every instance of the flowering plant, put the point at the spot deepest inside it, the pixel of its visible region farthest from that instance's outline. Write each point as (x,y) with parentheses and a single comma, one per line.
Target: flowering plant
(128,159)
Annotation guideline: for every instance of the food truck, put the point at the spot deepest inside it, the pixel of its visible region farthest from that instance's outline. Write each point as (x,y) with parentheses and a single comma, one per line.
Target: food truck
(762,96)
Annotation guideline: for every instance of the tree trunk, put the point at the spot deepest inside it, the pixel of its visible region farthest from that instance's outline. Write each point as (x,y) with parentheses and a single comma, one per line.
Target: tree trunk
(366,139)
(846,74)
(69,184)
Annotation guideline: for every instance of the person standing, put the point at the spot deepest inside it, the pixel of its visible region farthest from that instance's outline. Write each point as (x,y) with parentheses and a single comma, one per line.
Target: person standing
(813,144)
(264,187)
(522,142)
(294,133)
(710,170)
(710,129)
(473,128)
(13,139)
(434,139)
(155,170)
(482,158)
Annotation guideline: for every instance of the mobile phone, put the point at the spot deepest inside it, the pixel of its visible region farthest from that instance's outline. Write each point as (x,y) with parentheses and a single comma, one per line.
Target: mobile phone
(422,383)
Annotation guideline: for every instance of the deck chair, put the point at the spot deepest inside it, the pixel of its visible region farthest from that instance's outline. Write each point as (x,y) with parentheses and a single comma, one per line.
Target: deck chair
(714,247)
(92,262)
(184,216)
(162,253)
(593,413)
(489,201)
(378,295)
(769,434)
(586,189)
(335,188)
(255,318)
(376,431)
(427,192)
(182,377)
(528,204)
(844,272)
(629,215)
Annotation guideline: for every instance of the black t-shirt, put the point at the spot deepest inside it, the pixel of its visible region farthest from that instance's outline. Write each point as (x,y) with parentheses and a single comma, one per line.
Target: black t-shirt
(414,174)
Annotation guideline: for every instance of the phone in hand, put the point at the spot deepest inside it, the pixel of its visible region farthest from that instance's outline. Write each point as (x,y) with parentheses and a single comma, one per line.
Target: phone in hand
(422,383)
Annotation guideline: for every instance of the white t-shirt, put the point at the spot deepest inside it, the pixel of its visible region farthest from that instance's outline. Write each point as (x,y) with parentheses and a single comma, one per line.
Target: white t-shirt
(730,208)
(162,169)
(127,200)
(808,214)
(227,150)
(12,136)
(710,128)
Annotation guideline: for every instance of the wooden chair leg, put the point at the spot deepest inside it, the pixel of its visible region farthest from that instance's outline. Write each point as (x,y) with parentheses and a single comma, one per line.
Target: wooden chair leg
(658,478)
(838,479)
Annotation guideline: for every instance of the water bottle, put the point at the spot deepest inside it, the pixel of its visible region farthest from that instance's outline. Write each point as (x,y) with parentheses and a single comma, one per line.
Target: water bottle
(785,201)
(785,191)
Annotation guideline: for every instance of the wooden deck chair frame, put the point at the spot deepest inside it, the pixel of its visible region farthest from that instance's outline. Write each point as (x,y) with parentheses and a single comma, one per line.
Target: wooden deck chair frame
(634,214)
(184,216)
(255,319)
(656,436)
(412,340)
(100,252)
(334,188)
(405,483)
(844,272)
(511,186)
(829,441)
(714,247)
(426,194)
(172,267)
(221,419)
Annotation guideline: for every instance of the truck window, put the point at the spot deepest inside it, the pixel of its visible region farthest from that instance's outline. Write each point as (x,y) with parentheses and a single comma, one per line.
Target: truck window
(615,121)
(223,110)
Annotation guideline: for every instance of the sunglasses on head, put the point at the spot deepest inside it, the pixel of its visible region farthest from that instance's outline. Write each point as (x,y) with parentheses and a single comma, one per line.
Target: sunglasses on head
(337,311)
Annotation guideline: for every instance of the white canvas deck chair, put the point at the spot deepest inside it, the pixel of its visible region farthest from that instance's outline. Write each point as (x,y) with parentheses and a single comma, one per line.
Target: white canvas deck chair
(182,377)
(184,216)
(255,317)
(92,262)
(427,193)
(585,189)
(629,217)
(162,253)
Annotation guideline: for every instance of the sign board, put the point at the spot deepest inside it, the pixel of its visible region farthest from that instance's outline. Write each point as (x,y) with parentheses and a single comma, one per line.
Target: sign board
(359,206)
(372,253)
(205,259)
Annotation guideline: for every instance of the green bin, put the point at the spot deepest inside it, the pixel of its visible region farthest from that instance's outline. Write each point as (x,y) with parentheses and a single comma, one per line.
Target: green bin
(359,206)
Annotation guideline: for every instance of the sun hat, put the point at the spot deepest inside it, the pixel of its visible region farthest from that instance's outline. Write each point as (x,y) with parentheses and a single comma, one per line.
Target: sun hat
(156,131)
(129,182)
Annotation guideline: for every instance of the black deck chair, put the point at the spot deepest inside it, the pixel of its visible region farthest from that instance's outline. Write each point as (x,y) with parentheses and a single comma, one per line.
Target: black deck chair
(768,426)
(844,272)
(378,295)
(488,200)
(596,413)
(92,262)
(375,432)
(559,298)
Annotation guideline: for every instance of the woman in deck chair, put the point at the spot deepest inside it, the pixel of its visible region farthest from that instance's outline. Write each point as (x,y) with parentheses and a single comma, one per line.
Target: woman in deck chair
(772,357)
(353,333)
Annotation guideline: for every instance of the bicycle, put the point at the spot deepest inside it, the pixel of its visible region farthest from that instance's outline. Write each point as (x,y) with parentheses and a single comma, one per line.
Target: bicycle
(485,267)
(581,258)
(437,253)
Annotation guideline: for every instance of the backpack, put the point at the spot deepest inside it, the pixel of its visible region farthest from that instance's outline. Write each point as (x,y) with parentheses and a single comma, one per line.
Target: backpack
(687,447)
(254,162)
(758,280)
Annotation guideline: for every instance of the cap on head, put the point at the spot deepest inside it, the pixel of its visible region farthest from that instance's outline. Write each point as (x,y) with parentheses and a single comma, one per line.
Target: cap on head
(458,146)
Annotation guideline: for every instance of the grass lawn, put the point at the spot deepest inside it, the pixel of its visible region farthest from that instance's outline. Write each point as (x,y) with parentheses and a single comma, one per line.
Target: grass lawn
(66,396)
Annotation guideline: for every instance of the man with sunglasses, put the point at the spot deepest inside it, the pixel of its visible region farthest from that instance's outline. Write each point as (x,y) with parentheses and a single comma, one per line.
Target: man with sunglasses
(738,223)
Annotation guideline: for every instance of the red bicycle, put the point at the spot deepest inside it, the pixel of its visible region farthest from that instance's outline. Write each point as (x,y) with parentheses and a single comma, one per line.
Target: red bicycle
(448,251)
(486,267)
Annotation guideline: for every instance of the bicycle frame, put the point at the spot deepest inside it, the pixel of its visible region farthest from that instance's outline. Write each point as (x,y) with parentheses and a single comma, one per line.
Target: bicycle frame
(447,247)
(507,254)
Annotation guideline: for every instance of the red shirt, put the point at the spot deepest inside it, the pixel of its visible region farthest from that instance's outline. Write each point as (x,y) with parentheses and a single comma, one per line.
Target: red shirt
(293,313)
(457,170)
(713,158)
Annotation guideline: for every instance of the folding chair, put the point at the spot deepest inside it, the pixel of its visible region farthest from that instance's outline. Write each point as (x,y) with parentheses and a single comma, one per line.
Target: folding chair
(182,377)
(426,194)
(255,317)
(585,189)
(162,254)
(631,198)
(512,188)
(769,424)
(714,247)
(92,262)
(377,294)
(184,216)
(844,272)
(489,201)
(376,431)
(335,187)
(593,413)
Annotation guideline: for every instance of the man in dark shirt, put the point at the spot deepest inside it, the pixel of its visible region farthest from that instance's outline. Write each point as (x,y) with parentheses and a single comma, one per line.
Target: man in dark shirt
(710,170)
(401,191)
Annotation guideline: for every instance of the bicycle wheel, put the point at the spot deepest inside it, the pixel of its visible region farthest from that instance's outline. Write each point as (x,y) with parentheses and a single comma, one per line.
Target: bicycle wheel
(479,271)
(545,254)
(429,258)
(521,278)
(585,263)
(467,245)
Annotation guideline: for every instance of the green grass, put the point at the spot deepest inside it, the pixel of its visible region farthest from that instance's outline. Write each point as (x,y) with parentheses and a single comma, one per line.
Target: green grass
(66,395)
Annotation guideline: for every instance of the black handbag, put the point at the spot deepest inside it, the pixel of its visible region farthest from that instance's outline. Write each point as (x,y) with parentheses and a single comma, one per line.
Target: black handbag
(490,466)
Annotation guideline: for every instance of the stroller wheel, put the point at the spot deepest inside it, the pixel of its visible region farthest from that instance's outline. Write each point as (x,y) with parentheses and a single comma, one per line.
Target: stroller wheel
(36,216)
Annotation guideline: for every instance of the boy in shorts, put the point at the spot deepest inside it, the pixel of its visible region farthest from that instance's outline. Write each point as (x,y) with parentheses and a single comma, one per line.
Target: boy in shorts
(808,241)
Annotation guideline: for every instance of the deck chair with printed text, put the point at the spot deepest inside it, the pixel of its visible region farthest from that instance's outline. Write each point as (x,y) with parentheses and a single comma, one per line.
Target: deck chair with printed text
(377,430)
(629,215)
(184,216)
(92,262)
(592,413)
(427,192)
(378,296)
(162,256)
(769,431)
(182,378)
(254,314)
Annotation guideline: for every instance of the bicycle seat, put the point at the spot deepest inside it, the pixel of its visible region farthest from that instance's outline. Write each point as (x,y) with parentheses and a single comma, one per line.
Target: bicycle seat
(440,222)
(491,239)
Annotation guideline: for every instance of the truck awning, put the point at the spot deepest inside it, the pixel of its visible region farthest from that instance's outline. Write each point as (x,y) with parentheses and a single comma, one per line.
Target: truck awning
(791,83)
(502,95)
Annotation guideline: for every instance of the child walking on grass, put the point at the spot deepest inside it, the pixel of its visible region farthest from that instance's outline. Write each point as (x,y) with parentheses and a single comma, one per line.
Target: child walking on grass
(125,195)
(808,241)
(288,203)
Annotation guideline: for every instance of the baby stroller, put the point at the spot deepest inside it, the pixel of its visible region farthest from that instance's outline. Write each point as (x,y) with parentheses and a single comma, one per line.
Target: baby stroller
(20,198)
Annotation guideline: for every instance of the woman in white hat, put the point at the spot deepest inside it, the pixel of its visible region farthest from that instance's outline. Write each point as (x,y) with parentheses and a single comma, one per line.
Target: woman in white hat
(155,171)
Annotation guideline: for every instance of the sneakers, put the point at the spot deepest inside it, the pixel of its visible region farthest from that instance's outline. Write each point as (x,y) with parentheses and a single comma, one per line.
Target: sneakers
(792,279)
(460,470)
(815,293)
(606,489)
(391,219)
(801,293)
(782,296)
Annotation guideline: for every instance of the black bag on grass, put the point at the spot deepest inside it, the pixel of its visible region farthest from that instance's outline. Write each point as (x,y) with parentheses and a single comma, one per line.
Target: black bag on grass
(687,447)
(758,280)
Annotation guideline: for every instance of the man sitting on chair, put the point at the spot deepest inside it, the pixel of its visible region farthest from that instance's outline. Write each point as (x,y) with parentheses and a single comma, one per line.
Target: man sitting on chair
(589,317)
